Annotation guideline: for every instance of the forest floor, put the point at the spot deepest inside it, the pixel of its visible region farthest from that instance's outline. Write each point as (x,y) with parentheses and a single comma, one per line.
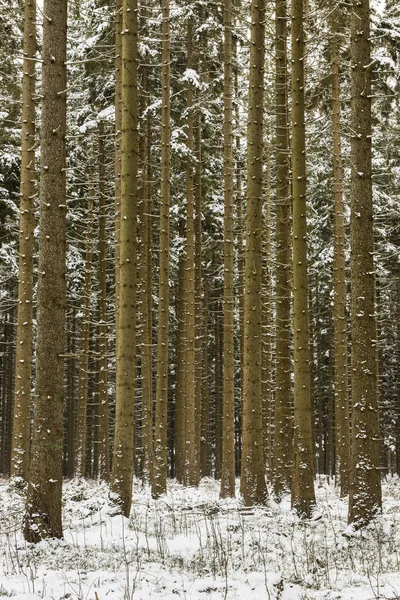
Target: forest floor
(190,544)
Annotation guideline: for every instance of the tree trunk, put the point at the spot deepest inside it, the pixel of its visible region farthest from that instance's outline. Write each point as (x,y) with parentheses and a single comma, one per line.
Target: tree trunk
(117,147)
(339,316)
(180,435)
(303,497)
(103,426)
(205,453)
(240,276)
(23,342)
(147,301)
(124,440)
(161,427)
(283,425)
(267,404)
(252,481)
(70,420)
(198,296)
(81,417)
(43,505)
(192,471)
(365,487)
(228,413)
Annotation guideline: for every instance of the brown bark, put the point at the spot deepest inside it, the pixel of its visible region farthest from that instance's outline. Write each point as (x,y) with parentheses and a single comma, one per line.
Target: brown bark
(303,496)
(23,342)
(228,412)
(365,487)
(103,425)
(81,417)
(191,466)
(342,426)
(124,439)
(252,481)
(147,337)
(283,417)
(161,426)
(43,505)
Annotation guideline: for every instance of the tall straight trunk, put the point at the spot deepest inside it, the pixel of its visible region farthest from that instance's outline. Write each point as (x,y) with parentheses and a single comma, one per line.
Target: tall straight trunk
(267,406)
(103,426)
(228,412)
(240,276)
(8,383)
(192,471)
(303,496)
(339,283)
(43,504)
(23,342)
(81,424)
(205,454)
(124,440)
(180,435)
(70,420)
(218,389)
(198,295)
(365,487)
(252,481)
(283,417)
(117,147)
(398,377)
(161,425)
(147,338)
(313,393)
(3,400)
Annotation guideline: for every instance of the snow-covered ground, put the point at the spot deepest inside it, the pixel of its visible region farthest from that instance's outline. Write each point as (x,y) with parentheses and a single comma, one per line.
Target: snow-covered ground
(191,545)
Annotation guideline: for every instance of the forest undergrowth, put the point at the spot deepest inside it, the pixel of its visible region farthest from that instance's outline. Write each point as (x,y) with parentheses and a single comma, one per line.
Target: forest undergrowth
(190,544)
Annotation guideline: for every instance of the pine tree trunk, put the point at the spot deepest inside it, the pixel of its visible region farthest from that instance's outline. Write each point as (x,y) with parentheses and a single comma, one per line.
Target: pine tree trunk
(365,487)
(267,404)
(180,435)
(147,301)
(43,505)
(205,454)
(70,420)
(124,440)
(240,276)
(283,417)
(398,378)
(303,497)
(192,472)
(228,412)
(23,342)
(103,426)
(218,389)
(161,425)
(117,147)
(81,417)
(340,323)
(198,296)
(252,481)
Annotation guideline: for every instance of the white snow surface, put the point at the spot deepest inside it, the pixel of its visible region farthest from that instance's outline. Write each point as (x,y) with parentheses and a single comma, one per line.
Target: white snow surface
(190,544)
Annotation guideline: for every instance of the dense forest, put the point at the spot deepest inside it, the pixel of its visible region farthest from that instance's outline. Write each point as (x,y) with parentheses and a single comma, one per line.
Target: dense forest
(200,250)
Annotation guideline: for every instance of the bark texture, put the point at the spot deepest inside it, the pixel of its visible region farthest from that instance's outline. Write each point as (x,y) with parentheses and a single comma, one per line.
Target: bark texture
(342,421)
(124,440)
(228,413)
(252,481)
(23,342)
(303,496)
(161,426)
(81,418)
(365,488)
(43,504)
(283,417)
